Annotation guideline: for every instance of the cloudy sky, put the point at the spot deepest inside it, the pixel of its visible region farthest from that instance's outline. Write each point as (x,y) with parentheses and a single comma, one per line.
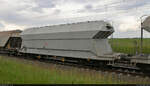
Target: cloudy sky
(123,14)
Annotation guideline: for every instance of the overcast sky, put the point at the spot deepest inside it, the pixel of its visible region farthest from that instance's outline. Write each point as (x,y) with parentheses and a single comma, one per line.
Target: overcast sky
(123,14)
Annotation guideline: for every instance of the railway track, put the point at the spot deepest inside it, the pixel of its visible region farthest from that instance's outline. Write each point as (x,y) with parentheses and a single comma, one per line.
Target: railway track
(133,72)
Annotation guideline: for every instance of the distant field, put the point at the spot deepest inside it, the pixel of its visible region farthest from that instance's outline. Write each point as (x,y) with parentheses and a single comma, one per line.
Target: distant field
(130,46)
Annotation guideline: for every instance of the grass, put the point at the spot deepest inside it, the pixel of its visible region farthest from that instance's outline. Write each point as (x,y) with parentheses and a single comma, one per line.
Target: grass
(16,72)
(130,45)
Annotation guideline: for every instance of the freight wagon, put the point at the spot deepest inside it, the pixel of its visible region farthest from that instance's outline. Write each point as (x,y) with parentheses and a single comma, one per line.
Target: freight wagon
(10,40)
(85,40)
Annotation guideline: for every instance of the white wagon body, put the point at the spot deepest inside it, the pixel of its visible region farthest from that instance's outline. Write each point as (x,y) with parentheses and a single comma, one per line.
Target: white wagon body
(78,40)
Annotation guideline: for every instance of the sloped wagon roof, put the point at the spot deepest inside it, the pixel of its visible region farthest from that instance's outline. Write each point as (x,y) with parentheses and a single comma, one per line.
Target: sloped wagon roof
(5,35)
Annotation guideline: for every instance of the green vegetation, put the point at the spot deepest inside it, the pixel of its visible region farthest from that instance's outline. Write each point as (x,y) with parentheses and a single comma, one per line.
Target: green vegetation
(130,45)
(16,72)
